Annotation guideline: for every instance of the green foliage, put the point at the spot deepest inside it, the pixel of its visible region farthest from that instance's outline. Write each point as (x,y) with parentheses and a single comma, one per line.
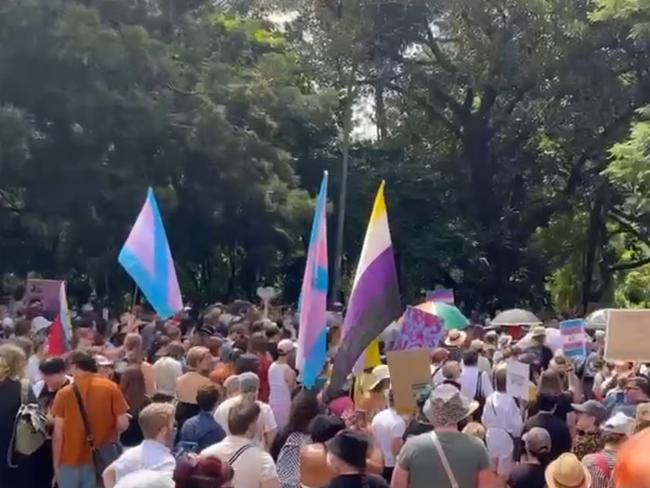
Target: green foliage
(494,121)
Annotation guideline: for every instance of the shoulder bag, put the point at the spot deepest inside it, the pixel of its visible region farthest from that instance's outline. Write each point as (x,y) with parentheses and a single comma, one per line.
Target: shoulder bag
(444,460)
(104,454)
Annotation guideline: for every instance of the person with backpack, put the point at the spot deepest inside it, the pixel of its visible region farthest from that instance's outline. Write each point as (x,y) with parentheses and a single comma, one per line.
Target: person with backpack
(503,422)
(474,383)
(54,378)
(15,395)
(601,464)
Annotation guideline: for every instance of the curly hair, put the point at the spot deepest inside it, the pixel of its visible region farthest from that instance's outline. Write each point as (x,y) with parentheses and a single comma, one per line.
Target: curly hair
(12,362)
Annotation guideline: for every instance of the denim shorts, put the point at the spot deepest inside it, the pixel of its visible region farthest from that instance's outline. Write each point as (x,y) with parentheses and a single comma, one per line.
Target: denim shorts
(77,477)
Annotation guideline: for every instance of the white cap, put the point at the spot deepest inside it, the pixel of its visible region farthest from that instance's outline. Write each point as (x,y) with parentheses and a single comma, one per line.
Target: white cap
(285,346)
(7,323)
(40,323)
(619,424)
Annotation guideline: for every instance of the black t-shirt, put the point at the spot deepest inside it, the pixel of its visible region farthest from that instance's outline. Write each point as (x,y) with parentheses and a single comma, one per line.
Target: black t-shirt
(562,405)
(544,356)
(46,397)
(416,427)
(358,481)
(527,475)
(557,429)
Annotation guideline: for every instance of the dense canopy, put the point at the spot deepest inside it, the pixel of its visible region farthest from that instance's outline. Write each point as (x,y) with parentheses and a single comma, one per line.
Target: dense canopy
(512,135)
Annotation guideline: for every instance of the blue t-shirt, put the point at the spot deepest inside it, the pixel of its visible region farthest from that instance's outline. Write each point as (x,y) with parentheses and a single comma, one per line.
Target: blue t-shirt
(202,430)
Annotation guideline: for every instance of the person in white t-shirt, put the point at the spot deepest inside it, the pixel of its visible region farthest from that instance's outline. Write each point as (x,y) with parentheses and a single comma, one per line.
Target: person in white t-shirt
(253,466)
(282,381)
(153,454)
(471,375)
(249,384)
(388,428)
(503,422)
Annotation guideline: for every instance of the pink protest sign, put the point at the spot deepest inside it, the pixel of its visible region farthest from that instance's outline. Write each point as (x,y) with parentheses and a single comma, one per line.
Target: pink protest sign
(420,330)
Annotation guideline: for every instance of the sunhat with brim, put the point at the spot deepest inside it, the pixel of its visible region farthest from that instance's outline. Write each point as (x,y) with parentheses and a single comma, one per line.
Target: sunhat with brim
(455,338)
(537,441)
(567,472)
(446,406)
(379,374)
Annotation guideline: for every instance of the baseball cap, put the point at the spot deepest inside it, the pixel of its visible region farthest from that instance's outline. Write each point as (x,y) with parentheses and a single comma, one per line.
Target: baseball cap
(593,408)
(40,323)
(618,424)
(285,346)
(537,440)
(103,361)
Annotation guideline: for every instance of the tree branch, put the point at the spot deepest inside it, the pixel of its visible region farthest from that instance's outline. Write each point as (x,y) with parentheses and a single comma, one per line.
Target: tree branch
(630,265)
(432,111)
(628,226)
(441,57)
(8,204)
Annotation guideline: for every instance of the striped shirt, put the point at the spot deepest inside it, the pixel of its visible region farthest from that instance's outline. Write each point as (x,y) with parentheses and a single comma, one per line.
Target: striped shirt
(595,464)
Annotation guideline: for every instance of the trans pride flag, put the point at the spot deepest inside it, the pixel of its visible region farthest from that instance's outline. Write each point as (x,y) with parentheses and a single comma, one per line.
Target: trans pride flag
(374,300)
(147,258)
(61,333)
(312,333)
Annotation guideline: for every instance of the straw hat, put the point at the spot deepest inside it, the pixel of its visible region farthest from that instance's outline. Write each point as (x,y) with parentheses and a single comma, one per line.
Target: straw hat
(446,406)
(538,331)
(567,472)
(455,338)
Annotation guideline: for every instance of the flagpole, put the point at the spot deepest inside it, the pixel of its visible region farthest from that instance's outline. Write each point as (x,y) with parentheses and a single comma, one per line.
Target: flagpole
(135,296)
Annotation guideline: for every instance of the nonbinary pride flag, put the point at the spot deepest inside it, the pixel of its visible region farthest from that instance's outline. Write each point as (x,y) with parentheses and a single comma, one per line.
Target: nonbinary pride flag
(312,333)
(61,333)
(374,299)
(147,258)
(444,296)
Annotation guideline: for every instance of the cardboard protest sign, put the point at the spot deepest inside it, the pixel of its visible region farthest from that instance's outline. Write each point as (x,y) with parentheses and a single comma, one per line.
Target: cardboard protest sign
(574,338)
(518,380)
(627,336)
(420,330)
(47,291)
(444,296)
(410,371)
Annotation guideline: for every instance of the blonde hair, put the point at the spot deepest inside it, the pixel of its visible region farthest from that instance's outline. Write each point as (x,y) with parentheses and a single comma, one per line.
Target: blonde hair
(154,417)
(12,362)
(195,355)
(475,429)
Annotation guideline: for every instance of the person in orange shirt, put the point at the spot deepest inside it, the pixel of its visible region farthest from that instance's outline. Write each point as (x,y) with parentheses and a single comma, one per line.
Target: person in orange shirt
(226,367)
(107,413)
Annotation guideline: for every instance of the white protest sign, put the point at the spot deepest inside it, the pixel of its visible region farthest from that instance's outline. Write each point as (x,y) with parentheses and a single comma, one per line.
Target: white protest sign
(518,379)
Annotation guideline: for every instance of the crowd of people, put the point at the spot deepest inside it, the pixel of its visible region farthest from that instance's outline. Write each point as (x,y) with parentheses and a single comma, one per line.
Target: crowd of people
(215,400)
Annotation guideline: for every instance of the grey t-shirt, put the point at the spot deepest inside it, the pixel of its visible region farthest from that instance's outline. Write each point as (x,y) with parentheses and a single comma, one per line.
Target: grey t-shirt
(466,455)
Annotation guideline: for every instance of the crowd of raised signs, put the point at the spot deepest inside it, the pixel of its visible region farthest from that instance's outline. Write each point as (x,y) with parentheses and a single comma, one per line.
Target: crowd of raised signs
(212,398)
